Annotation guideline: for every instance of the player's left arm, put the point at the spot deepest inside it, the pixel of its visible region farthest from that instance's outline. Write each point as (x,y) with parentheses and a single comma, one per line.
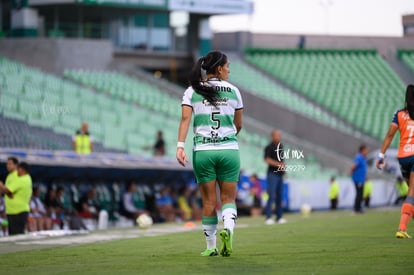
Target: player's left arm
(238,120)
(386,143)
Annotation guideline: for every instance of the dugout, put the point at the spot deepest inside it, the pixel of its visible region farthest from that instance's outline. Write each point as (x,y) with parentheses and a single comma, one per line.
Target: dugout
(49,166)
(108,173)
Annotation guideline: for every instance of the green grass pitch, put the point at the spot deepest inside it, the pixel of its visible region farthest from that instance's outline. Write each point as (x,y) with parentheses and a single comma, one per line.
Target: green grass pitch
(324,243)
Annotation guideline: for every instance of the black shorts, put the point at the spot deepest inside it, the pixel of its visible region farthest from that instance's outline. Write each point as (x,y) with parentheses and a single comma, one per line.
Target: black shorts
(406,166)
(17,223)
(257,203)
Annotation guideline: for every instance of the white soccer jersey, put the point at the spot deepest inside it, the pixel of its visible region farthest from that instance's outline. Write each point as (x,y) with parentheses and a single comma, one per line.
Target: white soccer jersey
(213,126)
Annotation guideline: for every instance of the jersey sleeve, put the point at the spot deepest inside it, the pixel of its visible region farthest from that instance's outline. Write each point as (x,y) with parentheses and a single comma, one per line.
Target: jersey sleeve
(239,100)
(12,186)
(395,118)
(187,97)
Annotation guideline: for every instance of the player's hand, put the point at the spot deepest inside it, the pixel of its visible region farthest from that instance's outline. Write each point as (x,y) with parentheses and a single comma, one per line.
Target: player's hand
(181,156)
(380,163)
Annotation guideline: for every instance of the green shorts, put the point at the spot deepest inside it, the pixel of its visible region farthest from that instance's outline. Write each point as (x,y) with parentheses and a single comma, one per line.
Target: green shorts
(222,165)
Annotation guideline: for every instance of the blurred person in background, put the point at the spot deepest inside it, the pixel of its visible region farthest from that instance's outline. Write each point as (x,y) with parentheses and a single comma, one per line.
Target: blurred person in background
(367,192)
(403,121)
(53,206)
(256,191)
(11,166)
(273,156)
(184,201)
(165,205)
(82,141)
(64,206)
(359,173)
(18,192)
(333,193)
(38,217)
(128,208)
(159,146)
(402,190)
(3,218)
(88,207)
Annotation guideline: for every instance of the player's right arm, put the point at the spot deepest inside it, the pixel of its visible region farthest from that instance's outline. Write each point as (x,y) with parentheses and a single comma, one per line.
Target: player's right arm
(186,112)
(386,143)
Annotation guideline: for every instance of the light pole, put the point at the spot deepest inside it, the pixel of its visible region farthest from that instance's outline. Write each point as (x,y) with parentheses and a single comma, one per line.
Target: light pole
(326,5)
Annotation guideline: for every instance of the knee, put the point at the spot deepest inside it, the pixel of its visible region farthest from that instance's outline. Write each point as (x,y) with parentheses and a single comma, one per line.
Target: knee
(407,209)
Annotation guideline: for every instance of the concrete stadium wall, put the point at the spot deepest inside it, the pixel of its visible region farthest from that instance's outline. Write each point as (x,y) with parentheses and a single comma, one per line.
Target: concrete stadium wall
(151,60)
(55,55)
(315,193)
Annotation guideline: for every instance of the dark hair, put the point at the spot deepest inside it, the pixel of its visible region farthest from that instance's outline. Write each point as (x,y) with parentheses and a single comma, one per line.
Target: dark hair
(14,160)
(198,76)
(362,147)
(409,100)
(129,185)
(25,166)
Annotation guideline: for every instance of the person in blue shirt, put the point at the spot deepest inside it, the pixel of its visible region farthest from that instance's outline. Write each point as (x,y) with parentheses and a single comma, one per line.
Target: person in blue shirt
(359,174)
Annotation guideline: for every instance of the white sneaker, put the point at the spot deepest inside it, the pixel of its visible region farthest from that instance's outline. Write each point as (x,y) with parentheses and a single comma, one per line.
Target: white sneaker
(281,221)
(269,221)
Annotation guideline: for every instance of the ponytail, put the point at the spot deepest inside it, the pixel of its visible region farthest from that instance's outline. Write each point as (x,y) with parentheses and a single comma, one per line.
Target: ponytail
(409,100)
(198,76)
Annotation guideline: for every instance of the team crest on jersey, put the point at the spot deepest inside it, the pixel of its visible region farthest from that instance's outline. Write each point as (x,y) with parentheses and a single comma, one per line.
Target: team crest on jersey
(406,116)
(219,102)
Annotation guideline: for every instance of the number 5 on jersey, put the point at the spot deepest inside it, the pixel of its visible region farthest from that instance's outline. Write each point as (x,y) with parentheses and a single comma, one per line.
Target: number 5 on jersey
(215,119)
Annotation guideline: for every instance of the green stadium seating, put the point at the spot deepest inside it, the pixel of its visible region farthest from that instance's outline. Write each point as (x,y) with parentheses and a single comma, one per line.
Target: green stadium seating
(350,83)
(242,75)
(123,112)
(407,56)
(161,111)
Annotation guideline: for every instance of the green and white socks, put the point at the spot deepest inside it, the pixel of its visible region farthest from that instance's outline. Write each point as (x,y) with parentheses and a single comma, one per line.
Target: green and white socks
(209,225)
(229,216)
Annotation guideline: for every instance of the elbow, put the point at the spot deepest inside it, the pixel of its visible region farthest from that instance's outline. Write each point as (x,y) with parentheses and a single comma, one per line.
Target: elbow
(238,128)
(185,120)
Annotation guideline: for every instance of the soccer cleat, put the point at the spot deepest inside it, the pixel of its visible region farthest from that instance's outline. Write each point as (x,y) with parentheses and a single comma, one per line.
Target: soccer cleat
(226,242)
(402,235)
(209,252)
(269,221)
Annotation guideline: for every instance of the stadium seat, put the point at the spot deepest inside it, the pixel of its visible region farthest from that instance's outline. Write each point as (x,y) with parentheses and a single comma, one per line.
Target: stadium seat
(123,113)
(349,83)
(407,56)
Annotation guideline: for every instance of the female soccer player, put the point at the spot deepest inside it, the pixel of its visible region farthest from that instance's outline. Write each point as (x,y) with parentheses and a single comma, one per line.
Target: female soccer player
(217,107)
(404,121)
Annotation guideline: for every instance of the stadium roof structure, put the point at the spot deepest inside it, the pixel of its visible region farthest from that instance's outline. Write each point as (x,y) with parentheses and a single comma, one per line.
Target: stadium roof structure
(210,7)
(67,165)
